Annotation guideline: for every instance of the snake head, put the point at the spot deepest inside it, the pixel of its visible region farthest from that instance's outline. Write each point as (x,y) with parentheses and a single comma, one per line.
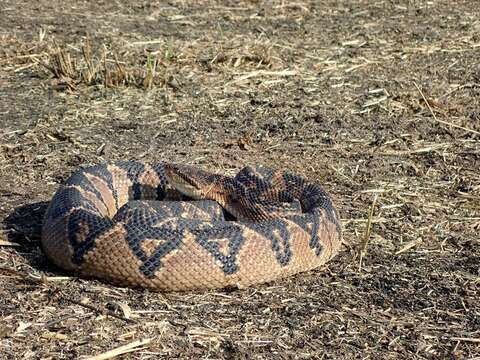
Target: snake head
(200,184)
(241,199)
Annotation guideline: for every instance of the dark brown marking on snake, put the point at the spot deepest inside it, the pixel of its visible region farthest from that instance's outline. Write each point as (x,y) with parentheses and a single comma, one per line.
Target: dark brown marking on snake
(103,173)
(311,225)
(278,234)
(133,170)
(210,237)
(82,242)
(140,227)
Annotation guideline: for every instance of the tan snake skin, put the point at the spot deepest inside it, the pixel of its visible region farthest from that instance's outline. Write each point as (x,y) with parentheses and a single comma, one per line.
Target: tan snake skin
(255,227)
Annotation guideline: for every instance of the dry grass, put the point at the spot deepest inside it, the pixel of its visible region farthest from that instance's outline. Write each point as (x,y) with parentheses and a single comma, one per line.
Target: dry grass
(82,67)
(372,99)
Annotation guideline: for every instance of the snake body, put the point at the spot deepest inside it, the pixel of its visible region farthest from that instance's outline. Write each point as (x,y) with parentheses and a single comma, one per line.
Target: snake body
(107,222)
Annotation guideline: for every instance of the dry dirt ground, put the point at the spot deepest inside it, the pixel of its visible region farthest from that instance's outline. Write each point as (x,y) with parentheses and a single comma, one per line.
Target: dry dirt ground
(377,100)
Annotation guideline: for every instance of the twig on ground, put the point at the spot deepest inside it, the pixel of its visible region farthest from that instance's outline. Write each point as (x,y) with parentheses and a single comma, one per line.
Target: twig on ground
(130,347)
(368,231)
(442,121)
(100,311)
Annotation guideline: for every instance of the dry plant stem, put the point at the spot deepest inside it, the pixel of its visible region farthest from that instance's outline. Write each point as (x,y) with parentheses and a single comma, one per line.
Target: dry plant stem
(105,69)
(8,243)
(87,55)
(122,75)
(100,311)
(368,231)
(441,121)
(472,340)
(130,347)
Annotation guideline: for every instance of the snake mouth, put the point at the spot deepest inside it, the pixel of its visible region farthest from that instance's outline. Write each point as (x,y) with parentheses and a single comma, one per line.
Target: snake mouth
(178,177)
(185,187)
(198,184)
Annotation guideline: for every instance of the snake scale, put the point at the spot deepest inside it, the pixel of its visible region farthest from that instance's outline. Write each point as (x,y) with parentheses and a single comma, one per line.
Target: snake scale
(106,221)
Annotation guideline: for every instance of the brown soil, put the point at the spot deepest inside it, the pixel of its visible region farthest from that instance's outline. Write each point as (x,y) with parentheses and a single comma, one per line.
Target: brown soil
(374,99)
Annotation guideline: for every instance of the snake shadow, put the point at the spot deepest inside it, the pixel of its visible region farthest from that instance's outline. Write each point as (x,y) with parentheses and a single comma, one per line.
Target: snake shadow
(24,227)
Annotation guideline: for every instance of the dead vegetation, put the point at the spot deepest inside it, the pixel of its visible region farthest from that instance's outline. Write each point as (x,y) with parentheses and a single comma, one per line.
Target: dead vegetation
(378,101)
(82,67)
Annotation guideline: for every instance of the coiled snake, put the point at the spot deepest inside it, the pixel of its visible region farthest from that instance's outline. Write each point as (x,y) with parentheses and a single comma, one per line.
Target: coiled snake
(258,226)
